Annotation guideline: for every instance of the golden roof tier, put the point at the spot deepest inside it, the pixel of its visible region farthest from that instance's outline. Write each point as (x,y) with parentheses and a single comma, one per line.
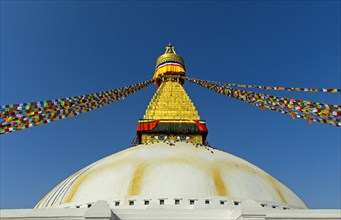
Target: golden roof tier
(171,115)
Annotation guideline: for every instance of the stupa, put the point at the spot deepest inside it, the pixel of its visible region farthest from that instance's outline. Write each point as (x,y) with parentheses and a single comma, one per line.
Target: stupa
(171,172)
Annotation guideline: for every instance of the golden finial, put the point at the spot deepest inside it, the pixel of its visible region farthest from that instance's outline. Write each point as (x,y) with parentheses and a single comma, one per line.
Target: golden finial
(170,56)
(170,48)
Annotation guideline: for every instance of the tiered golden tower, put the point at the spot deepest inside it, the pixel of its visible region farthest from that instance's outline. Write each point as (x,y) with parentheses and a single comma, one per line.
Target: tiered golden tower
(171,115)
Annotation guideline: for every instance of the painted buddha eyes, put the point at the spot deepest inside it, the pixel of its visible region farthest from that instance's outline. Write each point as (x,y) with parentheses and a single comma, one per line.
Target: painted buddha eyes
(165,137)
(183,137)
(160,137)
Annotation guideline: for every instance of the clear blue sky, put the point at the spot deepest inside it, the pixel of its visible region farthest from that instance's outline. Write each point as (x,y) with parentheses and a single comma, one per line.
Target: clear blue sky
(53,49)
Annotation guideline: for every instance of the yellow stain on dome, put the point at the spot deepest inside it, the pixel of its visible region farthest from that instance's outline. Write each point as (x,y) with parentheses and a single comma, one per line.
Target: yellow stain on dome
(87,174)
(274,184)
(214,172)
(219,183)
(136,182)
(75,186)
(47,195)
(51,192)
(135,186)
(264,176)
(268,179)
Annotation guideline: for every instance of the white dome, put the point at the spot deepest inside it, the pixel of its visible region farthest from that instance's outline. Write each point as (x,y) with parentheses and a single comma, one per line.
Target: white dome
(169,171)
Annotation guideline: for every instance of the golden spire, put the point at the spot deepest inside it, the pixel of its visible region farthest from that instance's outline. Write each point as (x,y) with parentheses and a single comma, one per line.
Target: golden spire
(171,115)
(171,102)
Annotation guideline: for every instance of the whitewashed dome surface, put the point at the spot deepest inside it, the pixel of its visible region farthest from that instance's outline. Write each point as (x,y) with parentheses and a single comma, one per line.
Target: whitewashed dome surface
(170,171)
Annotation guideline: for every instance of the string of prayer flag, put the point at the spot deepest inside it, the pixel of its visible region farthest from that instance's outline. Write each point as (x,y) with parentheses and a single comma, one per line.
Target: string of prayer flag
(311,111)
(16,117)
(279,88)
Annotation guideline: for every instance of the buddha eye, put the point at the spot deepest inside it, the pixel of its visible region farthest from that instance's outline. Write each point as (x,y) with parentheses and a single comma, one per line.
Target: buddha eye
(183,137)
(160,137)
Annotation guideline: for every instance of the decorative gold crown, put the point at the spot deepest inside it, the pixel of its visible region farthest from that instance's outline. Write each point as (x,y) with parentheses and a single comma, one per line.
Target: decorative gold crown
(170,56)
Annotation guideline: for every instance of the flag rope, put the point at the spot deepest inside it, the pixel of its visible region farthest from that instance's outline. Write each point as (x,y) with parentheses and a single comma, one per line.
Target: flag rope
(311,111)
(279,88)
(16,117)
